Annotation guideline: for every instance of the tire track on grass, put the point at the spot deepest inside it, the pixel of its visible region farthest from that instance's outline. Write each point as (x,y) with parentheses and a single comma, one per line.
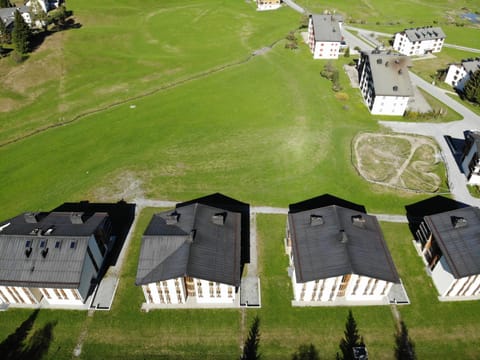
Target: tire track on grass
(154,91)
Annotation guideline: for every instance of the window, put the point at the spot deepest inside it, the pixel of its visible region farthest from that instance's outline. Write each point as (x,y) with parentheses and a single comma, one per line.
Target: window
(57,244)
(210,284)
(230,291)
(28,243)
(42,243)
(73,244)
(219,291)
(76,295)
(46,293)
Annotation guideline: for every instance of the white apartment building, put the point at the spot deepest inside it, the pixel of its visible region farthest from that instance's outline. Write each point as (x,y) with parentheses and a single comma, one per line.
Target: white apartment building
(458,74)
(384,82)
(450,247)
(470,162)
(338,254)
(52,257)
(191,253)
(419,41)
(268,4)
(324,36)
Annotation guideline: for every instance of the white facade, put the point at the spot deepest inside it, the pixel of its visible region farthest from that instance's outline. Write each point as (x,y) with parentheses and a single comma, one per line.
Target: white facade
(471,161)
(322,49)
(268,5)
(404,45)
(175,291)
(457,76)
(349,287)
(393,102)
(448,286)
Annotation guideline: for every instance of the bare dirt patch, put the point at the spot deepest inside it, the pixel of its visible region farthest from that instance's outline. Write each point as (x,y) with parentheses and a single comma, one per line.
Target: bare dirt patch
(400,161)
(125,185)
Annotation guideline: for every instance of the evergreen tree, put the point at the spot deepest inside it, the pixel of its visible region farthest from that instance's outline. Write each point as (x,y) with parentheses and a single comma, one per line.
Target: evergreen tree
(351,339)
(250,349)
(5,4)
(21,34)
(472,87)
(405,348)
(4,36)
(306,352)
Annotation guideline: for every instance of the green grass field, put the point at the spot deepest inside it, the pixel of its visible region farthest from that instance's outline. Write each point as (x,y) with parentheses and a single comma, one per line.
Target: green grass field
(203,117)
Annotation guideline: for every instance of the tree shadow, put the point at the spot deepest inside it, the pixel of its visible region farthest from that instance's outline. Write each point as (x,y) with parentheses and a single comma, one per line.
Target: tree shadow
(11,347)
(19,345)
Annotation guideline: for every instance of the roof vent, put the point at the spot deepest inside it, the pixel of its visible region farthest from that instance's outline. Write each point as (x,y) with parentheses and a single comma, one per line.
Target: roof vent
(219,218)
(30,217)
(28,252)
(76,218)
(316,220)
(191,237)
(44,253)
(50,230)
(400,71)
(172,218)
(379,61)
(397,61)
(395,88)
(386,63)
(35,231)
(359,221)
(458,222)
(4,226)
(343,237)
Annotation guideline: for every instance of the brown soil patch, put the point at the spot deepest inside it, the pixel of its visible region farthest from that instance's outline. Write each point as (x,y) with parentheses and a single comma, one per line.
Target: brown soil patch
(400,161)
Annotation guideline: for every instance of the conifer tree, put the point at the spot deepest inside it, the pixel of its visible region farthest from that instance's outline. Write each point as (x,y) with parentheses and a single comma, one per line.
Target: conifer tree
(4,38)
(352,338)
(5,4)
(21,34)
(250,349)
(405,348)
(472,87)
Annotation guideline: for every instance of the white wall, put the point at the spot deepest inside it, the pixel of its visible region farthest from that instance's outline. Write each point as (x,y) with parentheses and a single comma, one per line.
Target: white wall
(268,4)
(456,76)
(389,105)
(17,295)
(474,177)
(408,47)
(61,296)
(442,276)
(156,293)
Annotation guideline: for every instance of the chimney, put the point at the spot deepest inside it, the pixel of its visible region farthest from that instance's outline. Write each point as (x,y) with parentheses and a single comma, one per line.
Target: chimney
(76,218)
(395,88)
(30,217)
(316,220)
(172,218)
(343,237)
(459,222)
(379,61)
(358,221)
(219,218)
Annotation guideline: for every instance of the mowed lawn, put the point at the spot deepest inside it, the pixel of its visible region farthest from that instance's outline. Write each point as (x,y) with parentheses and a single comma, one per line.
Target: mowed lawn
(268,131)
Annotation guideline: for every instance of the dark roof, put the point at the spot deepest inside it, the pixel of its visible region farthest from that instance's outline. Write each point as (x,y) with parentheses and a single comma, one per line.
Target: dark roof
(194,240)
(334,241)
(326,28)
(61,265)
(390,74)
(457,234)
(424,33)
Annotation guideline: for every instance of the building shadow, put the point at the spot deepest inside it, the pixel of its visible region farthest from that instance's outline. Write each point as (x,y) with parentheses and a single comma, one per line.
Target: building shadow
(457,148)
(323,201)
(437,204)
(39,343)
